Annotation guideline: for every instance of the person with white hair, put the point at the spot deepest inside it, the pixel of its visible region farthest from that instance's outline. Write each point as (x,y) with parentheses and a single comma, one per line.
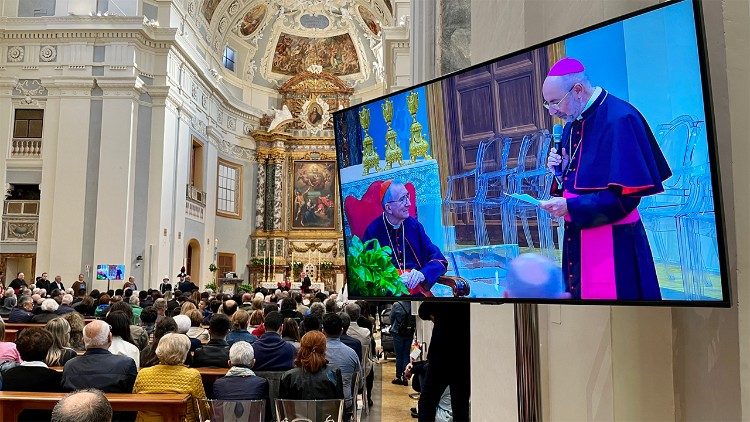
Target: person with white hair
(135,306)
(22,312)
(64,308)
(46,311)
(9,302)
(183,326)
(98,367)
(241,383)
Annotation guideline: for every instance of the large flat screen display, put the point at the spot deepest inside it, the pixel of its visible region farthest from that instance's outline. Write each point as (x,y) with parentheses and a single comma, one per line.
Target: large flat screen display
(582,170)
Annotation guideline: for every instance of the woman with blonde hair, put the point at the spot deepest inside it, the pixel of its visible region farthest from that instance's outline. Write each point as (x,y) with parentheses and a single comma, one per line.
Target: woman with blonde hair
(60,351)
(170,375)
(186,307)
(312,379)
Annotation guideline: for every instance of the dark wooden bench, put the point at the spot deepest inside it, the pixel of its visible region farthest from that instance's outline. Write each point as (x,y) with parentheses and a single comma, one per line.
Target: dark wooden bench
(171,407)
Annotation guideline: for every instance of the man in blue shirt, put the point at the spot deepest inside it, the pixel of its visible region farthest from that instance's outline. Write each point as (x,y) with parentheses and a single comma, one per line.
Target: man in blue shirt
(340,355)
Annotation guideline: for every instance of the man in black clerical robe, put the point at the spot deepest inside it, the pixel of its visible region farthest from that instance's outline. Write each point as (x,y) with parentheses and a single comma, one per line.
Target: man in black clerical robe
(609,161)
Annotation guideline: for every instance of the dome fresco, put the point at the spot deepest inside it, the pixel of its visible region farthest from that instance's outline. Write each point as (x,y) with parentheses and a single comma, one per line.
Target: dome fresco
(275,40)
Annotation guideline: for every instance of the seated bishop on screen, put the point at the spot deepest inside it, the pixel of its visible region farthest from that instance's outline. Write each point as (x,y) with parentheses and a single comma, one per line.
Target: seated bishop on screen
(418,260)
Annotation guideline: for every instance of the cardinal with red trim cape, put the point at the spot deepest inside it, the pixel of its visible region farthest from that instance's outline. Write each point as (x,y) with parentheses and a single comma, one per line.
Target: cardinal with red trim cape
(610,160)
(418,260)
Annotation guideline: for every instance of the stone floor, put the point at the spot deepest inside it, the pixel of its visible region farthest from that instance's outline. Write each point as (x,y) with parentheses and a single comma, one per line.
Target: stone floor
(392,402)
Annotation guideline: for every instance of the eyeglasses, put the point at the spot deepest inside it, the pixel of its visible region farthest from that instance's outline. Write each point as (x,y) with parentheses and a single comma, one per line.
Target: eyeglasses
(556,104)
(403,200)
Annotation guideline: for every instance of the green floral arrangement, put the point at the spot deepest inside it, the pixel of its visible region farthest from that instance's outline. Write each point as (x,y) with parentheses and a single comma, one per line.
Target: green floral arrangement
(212,267)
(247,288)
(211,286)
(326,265)
(371,272)
(260,261)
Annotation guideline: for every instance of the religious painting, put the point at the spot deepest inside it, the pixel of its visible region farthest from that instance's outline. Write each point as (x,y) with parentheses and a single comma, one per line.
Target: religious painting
(313,201)
(294,54)
(369,19)
(252,19)
(209,7)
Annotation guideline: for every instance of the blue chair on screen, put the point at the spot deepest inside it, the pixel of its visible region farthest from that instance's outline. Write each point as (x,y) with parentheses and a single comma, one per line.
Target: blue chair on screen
(678,141)
(697,238)
(465,192)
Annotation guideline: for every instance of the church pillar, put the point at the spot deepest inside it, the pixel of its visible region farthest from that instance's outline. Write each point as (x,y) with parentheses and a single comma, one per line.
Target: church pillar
(65,158)
(260,203)
(6,124)
(115,198)
(278,167)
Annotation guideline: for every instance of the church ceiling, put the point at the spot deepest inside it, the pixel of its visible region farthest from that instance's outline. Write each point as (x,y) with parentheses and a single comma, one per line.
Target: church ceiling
(281,38)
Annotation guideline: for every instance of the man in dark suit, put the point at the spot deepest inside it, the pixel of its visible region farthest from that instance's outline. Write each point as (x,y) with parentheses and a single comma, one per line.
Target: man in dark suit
(57,284)
(42,282)
(22,312)
(98,368)
(216,351)
(272,353)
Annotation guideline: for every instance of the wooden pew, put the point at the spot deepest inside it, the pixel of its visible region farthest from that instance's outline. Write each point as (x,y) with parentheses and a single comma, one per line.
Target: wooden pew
(172,407)
(11,335)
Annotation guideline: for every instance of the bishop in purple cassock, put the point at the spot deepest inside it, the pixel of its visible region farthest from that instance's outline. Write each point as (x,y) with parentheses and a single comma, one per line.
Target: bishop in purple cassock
(609,160)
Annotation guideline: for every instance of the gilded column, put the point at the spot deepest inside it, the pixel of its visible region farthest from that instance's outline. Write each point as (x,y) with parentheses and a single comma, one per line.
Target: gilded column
(278,168)
(260,203)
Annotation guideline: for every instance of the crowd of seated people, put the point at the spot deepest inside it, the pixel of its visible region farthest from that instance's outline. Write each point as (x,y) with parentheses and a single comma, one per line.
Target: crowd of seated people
(126,341)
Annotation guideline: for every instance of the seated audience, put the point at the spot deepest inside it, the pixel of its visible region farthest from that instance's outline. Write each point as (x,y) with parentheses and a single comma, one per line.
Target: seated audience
(272,353)
(22,312)
(76,322)
(350,341)
(9,302)
(290,332)
(98,367)
(170,375)
(289,309)
(148,355)
(247,302)
(135,302)
(103,307)
(216,351)
(240,383)
(365,337)
(65,305)
(310,323)
(256,323)
(83,406)
(196,331)
(46,311)
(148,319)
(60,352)
(313,378)
(33,374)
(86,306)
(340,355)
(122,341)
(229,307)
(9,356)
(183,326)
(137,333)
(239,328)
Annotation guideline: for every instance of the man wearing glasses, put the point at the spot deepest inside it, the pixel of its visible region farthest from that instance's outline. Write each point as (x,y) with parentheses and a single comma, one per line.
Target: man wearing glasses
(609,160)
(418,260)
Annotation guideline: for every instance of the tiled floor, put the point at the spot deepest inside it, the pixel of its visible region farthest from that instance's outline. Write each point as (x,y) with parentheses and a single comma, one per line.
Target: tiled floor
(392,402)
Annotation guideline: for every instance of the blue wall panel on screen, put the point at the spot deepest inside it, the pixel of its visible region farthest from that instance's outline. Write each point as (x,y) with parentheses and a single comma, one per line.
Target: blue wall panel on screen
(602,52)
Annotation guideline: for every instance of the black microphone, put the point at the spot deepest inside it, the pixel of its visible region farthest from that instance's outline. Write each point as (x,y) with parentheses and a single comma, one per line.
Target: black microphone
(557,131)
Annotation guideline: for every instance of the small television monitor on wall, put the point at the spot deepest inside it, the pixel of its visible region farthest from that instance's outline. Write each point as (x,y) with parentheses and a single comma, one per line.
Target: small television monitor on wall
(581,170)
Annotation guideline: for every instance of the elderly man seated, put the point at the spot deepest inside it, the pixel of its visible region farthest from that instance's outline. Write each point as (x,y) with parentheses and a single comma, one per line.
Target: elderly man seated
(240,383)
(22,312)
(98,367)
(83,406)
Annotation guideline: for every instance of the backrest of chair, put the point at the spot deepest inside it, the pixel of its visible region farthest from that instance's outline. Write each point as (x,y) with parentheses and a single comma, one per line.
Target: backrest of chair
(274,382)
(314,410)
(678,141)
(231,410)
